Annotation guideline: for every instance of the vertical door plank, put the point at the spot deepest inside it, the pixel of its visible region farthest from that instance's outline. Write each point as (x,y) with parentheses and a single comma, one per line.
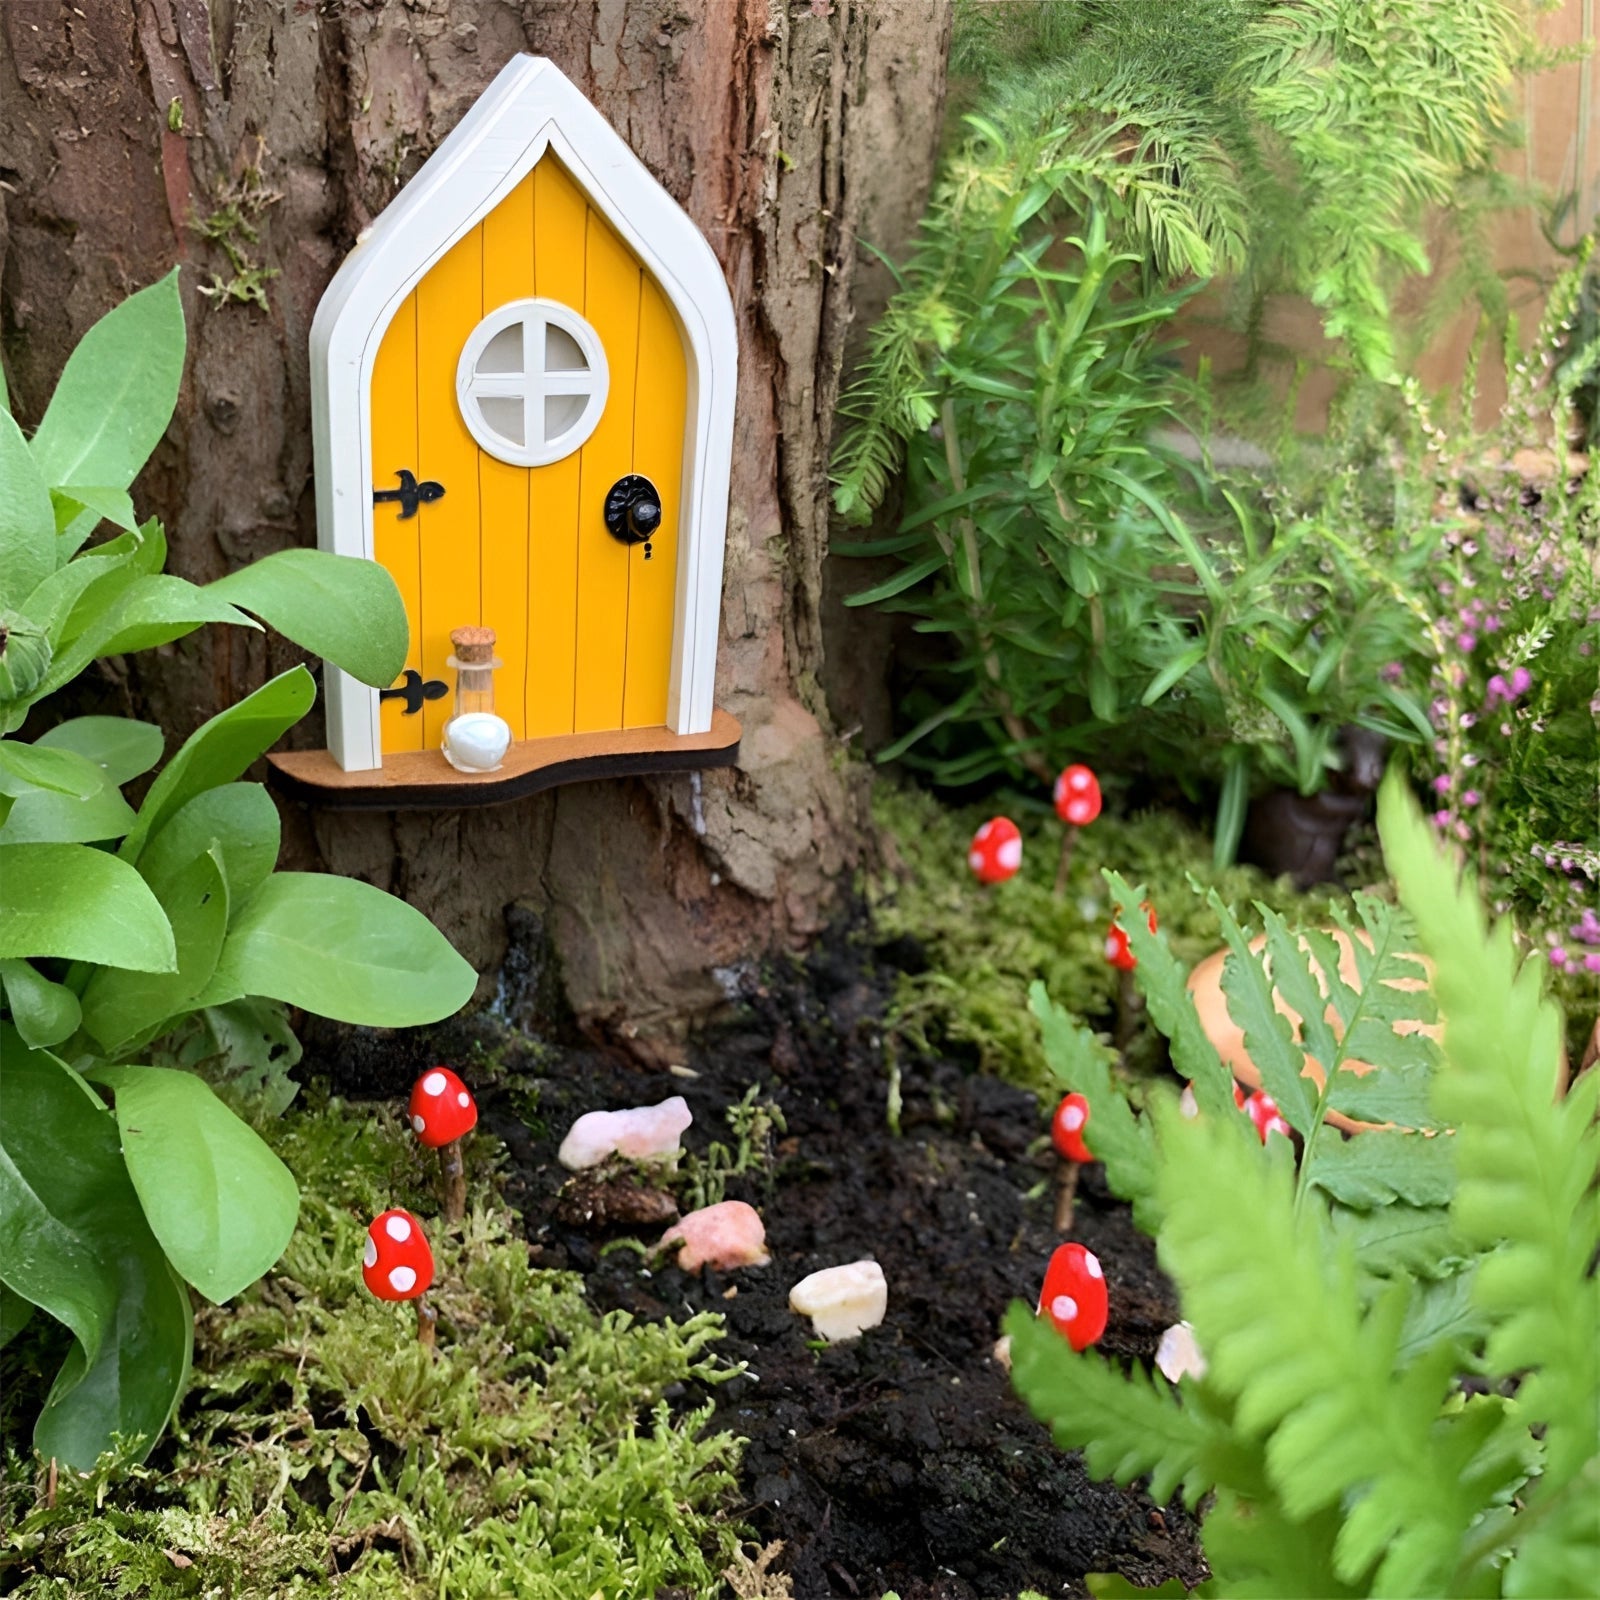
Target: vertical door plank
(507,275)
(449,307)
(397,543)
(613,278)
(559,223)
(659,411)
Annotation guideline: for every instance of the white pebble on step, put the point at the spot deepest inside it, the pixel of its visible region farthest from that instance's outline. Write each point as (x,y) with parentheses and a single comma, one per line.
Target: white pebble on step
(1178,1354)
(842,1302)
(643,1133)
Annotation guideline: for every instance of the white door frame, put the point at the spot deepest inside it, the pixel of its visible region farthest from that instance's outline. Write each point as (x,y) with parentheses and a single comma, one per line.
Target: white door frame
(528,109)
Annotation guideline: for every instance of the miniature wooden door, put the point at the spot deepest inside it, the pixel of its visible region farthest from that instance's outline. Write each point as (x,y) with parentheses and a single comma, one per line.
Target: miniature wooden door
(533,368)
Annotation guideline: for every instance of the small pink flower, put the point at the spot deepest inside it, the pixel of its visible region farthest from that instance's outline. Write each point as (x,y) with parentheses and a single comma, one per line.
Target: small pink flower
(1441,819)
(1466,643)
(1471,798)
(1591,962)
(1558,955)
(1441,784)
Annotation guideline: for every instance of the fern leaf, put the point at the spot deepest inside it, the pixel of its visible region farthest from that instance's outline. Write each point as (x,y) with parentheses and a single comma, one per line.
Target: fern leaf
(1161,981)
(1268,1035)
(1127,1426)
(1398,1238)
(1118,1138)
(1526,1162)
(1384,1165)
(1278,1310)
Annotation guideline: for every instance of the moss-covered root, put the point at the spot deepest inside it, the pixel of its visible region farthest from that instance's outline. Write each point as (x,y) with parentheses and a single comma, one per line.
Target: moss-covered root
(321,1451)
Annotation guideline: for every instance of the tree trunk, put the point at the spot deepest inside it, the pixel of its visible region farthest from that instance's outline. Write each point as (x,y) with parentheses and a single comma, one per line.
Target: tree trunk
(252,140)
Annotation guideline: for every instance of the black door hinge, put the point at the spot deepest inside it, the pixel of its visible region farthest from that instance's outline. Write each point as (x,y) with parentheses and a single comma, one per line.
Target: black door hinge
(414,690)
(410,494)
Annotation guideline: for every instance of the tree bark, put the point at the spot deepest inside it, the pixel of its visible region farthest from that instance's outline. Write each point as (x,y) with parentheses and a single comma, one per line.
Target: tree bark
(252,140)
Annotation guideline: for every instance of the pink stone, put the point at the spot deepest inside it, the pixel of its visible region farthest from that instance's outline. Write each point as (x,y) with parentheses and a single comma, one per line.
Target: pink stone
(723,1236)
(643,1133)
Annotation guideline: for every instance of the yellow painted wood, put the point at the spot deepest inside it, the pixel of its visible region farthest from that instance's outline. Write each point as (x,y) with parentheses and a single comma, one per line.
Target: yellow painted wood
(550,671)
(449,307)
(505,490)
(612,284)
(660,406)
(584,623)
(397,543)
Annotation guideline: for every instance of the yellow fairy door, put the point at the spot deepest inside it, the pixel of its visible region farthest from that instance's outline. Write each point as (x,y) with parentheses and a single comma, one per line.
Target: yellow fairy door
(534,372)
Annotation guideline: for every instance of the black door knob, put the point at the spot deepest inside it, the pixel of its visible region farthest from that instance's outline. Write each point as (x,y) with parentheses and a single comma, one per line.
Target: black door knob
(633,509)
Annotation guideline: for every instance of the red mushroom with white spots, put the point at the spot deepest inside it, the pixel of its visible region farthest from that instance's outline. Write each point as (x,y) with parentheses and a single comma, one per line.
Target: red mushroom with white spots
(996,851)
(398,1265)
(1119,952)
(442,1113)
(1263,1111)
(1066,1134)
(1077,799)
(1066,1129)
(1074,1296)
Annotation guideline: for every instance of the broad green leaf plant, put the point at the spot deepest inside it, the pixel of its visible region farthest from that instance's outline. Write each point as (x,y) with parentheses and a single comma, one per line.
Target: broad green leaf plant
(1342,1296)
(137,942)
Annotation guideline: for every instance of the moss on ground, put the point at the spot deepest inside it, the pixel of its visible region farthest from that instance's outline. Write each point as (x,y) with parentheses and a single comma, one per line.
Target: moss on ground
(985,945)
(321,1451)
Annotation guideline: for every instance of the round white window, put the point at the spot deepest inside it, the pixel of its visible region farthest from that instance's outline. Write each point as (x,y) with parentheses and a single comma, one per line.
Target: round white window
(532,382)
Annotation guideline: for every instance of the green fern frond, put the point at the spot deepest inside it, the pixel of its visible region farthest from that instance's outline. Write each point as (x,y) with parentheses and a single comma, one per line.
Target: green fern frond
(1526,1161)
(1162,982)
(1277,1308)
(1128,1426)
(1120,1140)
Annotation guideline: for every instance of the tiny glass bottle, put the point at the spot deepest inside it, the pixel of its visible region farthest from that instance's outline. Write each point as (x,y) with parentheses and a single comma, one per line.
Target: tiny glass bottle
(475,739)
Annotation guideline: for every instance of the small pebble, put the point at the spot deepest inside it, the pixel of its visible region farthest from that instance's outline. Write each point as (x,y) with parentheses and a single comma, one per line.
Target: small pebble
(842,1302)
(726,1235)
(644,1133)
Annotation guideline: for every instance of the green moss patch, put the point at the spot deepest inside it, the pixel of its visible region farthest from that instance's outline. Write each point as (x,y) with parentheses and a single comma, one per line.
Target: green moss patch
(985,945)
(321,1450)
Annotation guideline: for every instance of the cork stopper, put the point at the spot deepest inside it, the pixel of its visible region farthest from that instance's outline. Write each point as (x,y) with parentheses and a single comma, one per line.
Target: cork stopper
(474,646)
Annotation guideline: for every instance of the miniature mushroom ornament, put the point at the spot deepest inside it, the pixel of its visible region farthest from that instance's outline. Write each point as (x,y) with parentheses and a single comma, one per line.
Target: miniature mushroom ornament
(1118,951)
(1074,1296)
(1066,1129)
(442,1112)
(996,851)
(397,1263)
(1077,796)
(1263,1111)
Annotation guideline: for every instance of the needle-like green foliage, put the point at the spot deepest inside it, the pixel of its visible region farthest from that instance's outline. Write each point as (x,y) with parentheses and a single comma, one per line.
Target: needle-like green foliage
(1339,1300)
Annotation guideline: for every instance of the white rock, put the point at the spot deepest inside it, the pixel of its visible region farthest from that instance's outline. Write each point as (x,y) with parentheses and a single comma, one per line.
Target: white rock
(644,1133)
(1002,1351)
(842,1302)
(476,741)
(727,1235)
(1178,1355)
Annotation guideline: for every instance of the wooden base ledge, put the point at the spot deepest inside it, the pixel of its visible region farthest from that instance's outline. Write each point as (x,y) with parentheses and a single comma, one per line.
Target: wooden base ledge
(423,780)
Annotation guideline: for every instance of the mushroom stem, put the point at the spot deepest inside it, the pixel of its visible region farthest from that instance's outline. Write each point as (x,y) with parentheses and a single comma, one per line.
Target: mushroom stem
(1066,1194)
(455,1181)
(427,1322)
(1069,842)
(1130,1007)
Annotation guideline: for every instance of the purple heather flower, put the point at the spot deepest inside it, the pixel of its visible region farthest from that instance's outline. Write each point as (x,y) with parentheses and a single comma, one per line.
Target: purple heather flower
(1441,784)
(1441,819)
(1521,680)
(1471,798)
(1491,623)
(1391,672)
(1466,643)
(1558,956)
(1591,962)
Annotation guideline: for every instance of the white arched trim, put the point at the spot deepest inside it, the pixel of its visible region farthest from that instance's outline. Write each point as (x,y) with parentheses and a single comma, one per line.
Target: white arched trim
(528,109)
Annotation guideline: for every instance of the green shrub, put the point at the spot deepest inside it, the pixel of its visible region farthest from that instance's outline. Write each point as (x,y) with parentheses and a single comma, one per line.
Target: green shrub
(131,936)
(321,1450)
(1340,1297)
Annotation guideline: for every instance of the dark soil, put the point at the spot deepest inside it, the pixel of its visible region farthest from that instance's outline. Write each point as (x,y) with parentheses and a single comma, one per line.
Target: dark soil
(902,1460)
